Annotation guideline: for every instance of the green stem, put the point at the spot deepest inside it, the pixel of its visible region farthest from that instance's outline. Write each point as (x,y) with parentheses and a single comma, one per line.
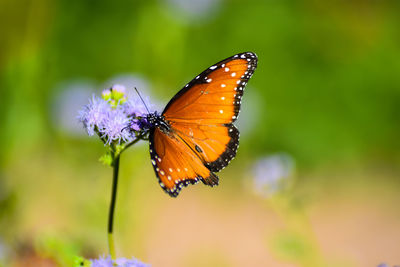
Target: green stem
(111,246)
(116,156)
(138,138)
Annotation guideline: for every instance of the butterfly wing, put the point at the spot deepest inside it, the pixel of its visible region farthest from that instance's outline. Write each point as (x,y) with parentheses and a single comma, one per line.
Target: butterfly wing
(215,95)
(215,145)
(202,138)
(202,113)
(175,164)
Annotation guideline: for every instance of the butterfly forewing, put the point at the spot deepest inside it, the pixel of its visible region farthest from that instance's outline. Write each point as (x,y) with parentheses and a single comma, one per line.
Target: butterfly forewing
(202,137)
(214,96)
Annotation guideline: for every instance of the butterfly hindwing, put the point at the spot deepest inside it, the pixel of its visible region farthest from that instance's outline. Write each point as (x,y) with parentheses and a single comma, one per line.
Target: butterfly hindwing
(175,164)
(216,145)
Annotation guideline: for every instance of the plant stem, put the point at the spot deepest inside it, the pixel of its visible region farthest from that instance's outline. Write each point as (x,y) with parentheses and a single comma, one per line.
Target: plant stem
(115,164)
(111,246)
(140,137)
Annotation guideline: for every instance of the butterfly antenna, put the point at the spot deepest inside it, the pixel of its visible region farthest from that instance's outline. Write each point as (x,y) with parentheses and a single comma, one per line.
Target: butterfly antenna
(142,100)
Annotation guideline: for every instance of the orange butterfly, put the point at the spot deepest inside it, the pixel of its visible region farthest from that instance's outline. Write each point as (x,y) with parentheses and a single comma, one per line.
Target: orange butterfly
(194,136)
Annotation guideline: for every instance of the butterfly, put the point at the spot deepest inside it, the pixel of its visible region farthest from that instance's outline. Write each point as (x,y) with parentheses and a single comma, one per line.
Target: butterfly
(194,136)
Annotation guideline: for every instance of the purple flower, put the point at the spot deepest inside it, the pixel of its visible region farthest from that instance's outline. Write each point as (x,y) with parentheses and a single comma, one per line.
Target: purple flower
(94,114)
(120,262)
(116,117)
(135,107)
(271,174)
(102,262)
(115,127)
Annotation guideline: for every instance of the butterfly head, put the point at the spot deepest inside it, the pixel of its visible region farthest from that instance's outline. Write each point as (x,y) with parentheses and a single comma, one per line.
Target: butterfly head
(142,124)
(157,120)
(153,118)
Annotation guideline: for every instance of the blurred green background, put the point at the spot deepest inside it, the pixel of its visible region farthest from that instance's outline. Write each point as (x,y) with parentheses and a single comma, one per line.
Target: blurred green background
(326,93)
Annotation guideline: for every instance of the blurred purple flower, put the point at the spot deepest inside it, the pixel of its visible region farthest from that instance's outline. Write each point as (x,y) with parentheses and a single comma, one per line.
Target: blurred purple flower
(271,174)
(192,11)
(115,117)
(120,262)
(383,265)
(102,262)
(130,263)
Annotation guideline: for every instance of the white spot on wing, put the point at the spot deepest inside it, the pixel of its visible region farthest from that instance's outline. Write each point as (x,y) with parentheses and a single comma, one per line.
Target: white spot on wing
(233,74)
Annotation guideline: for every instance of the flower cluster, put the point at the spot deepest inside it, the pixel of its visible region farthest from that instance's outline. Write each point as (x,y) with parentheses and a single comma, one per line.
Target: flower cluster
(120,120)
(116,117)
(120,262)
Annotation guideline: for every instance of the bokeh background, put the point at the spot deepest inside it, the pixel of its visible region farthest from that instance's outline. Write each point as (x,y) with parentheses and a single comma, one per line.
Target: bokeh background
(316,178)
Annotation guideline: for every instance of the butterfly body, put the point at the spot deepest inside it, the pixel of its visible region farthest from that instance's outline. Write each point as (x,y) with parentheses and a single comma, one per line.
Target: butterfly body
(159,121)
(195,136)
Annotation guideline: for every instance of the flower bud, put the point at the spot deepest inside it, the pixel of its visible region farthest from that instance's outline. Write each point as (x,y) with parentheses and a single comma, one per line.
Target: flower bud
(118,93)
(106,94)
